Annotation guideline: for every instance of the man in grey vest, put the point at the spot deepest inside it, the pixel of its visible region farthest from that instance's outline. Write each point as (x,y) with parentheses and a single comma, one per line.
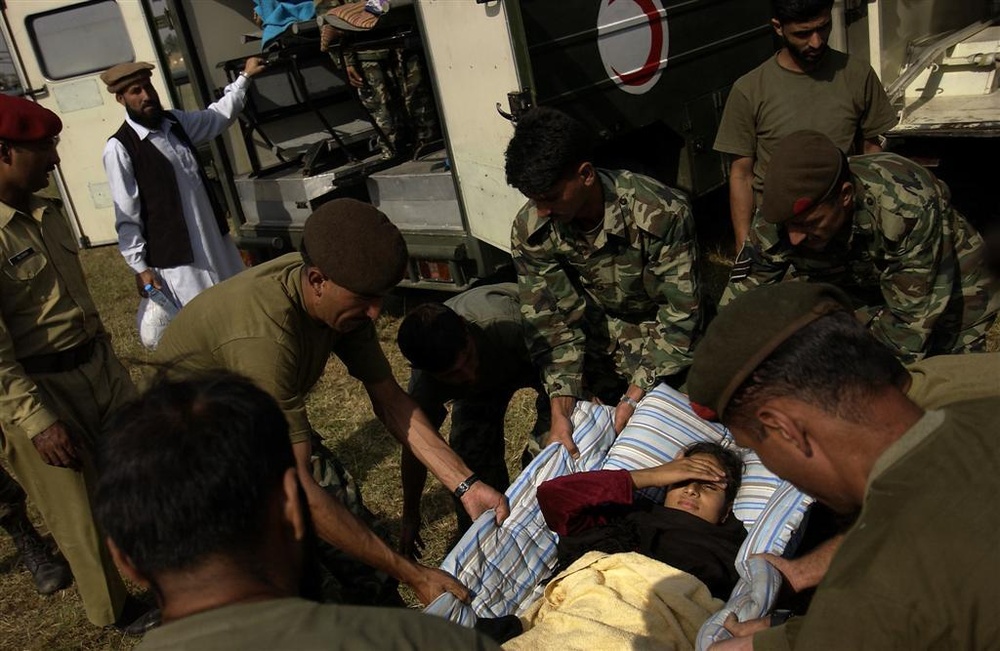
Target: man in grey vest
(171,230)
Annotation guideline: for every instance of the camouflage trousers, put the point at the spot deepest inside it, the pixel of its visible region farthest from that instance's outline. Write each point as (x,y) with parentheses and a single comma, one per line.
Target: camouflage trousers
(398,96)
(477,436)
(12,496)
(344,579)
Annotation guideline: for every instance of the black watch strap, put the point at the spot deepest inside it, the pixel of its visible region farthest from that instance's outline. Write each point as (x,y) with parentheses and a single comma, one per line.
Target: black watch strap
(465,485)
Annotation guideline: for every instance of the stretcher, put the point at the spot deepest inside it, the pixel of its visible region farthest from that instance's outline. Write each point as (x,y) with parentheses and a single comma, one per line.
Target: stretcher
(506,565)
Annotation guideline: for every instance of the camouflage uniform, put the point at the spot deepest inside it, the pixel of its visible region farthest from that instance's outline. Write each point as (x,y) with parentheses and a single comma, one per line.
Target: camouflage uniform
(624,308)
(396,92)
(909,260)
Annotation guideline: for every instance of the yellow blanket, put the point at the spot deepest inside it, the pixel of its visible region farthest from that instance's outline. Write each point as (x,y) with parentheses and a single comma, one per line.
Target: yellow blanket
(617,601)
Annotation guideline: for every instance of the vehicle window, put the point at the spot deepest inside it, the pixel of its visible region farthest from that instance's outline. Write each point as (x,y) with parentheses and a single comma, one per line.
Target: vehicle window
(9,82)
(80,39)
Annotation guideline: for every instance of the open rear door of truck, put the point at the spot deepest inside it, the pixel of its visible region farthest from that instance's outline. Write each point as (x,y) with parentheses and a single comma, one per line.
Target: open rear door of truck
(471,51)
(60,48)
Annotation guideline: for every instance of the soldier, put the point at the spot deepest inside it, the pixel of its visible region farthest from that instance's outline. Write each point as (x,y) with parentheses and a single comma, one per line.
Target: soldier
(794,376)
(469,351)
(234,570)
(279,322)
(881,228)
(391,81)
(805,85)
(60,378)
(606,265)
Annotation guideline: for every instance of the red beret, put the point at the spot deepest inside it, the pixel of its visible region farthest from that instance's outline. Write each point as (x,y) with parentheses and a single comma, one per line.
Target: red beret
(22,120)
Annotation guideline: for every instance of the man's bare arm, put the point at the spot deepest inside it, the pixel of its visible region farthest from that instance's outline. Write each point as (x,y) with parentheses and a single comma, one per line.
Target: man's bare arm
(338,526)
(411,427)
(741,203)
(808,570)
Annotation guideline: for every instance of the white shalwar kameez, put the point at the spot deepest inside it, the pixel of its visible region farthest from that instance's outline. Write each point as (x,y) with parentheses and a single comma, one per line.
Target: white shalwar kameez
(215,255)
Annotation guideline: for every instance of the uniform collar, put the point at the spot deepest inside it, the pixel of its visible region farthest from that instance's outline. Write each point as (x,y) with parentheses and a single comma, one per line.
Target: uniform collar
(911,438)
(37,207)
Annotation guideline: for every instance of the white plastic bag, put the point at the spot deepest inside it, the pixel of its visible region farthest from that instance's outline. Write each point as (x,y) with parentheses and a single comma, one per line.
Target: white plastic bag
(152,321)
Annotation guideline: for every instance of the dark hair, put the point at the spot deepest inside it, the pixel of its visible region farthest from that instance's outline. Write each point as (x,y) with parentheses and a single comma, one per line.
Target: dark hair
(305,255)
(187,471)
(546,147)
(431,337)
(731,462)
(833,363)
(798,11)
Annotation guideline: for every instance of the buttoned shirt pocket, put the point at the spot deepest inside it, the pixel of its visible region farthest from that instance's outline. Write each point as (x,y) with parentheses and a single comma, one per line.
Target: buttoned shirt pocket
(24,266)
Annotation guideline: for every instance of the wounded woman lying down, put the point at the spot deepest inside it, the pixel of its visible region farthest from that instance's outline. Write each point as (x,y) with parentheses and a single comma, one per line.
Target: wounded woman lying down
(626,599)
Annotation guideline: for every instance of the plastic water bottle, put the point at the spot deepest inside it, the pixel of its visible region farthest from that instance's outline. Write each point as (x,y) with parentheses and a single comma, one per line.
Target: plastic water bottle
(161,299)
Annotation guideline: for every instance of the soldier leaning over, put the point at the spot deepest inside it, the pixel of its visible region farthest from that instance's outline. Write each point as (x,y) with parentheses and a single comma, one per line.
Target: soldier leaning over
(881,228)
(606,269)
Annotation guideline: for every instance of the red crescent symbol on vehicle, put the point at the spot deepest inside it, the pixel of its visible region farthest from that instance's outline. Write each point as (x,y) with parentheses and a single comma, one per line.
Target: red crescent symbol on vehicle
(648,69)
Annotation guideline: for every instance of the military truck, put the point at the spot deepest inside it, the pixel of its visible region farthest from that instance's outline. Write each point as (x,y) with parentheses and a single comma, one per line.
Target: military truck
(649,76)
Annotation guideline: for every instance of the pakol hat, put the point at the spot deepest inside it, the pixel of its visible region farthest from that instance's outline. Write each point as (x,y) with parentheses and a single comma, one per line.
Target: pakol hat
(355,246)
(22,120)
(803,172)
(747,331)
(119,77)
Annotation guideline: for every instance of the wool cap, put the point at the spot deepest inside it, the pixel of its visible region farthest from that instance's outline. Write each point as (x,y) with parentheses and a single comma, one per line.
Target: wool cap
(119,77)
(746,331)
(356,246)
(803,171)
(22,120)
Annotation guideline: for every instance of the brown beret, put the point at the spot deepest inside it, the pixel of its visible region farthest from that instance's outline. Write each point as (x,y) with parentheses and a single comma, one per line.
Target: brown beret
(747,331)
(355,246)
(119,77)
(22,120)
(803,171)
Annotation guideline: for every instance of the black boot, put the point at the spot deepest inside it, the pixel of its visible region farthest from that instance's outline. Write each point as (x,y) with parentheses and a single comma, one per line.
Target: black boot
(51,573)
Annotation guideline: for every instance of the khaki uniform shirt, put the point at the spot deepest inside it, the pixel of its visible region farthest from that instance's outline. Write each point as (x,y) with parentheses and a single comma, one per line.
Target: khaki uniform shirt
(919,569)
(45,306)
(631,294)
(256,324)
(842,98)
(907,257)
(307,626)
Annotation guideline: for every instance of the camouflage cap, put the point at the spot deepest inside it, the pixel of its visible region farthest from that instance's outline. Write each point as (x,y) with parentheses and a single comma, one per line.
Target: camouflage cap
(355,246)
(747,331)
(119,77)
(803,171)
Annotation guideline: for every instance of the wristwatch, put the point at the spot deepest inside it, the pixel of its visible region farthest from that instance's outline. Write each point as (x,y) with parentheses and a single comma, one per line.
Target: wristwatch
(631,402)
(464,486)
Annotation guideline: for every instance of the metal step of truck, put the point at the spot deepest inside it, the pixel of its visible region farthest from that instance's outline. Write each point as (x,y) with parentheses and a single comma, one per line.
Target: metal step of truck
(418,195)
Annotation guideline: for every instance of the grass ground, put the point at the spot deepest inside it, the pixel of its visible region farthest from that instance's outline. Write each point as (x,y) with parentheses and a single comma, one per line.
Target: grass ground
(338,408)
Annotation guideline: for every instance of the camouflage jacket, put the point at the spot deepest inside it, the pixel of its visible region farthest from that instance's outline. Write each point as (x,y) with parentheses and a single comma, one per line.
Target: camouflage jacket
(908,259)
(632,295)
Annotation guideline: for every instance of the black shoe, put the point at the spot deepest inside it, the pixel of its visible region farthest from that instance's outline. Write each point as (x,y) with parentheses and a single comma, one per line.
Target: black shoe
(137,618)
(50,572)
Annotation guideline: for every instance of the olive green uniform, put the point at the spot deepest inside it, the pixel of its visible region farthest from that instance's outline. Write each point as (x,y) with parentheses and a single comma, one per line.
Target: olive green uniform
(56,364)
(623,307)
(919,568)
(910,260)
(305,626)
(842,98)
(256,324)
